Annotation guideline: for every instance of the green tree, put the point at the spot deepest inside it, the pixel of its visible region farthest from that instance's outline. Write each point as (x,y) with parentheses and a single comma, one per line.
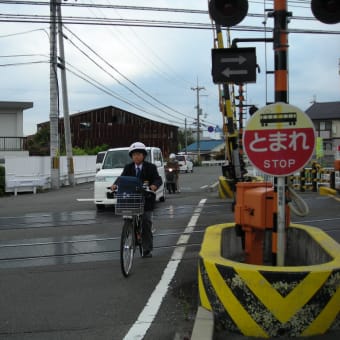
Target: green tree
(181,138)
(39,144)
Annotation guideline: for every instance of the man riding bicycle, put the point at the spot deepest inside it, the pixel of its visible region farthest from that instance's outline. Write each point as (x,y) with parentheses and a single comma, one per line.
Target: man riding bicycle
(148,175)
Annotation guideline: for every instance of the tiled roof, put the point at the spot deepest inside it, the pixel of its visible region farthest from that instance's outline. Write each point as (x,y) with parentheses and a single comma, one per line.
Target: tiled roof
(205,145)
(328,110)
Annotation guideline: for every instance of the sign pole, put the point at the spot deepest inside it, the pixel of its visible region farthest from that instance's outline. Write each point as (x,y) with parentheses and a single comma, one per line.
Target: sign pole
(281,80)
(281,223)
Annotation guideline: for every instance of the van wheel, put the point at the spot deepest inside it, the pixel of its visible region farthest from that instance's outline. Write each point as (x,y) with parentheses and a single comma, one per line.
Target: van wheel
(100,207)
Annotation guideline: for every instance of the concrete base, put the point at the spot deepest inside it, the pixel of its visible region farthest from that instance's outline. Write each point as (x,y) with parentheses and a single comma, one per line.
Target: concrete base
(299,299)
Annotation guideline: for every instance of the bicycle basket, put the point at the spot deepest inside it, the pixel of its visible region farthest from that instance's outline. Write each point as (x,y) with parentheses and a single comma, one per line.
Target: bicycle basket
(129,204)
(130,198)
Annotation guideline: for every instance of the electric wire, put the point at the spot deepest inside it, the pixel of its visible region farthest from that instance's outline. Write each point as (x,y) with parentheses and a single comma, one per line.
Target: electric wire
(146,23)
(109,92)
(123,76)
(26,18)
(164,69)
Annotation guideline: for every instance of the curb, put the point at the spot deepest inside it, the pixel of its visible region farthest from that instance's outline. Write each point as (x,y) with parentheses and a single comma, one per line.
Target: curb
(203,326)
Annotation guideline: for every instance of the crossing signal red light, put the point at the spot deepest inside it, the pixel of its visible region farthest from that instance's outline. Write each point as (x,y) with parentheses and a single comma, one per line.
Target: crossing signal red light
(326,11)
(228,12)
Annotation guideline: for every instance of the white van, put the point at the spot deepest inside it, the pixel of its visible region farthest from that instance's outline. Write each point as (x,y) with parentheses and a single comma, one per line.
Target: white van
(112,166)
(185,163)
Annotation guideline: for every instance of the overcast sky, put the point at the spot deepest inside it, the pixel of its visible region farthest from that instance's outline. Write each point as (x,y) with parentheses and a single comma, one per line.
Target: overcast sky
(151,71)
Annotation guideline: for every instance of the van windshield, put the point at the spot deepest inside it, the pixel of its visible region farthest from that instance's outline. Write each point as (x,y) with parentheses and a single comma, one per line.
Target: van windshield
(116,159)
(180,158)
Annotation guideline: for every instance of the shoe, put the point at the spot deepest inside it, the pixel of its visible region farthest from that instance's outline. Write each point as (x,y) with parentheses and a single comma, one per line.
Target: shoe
(147,253)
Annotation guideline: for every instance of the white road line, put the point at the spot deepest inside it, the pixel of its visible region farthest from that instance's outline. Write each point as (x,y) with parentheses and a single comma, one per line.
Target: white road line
(148,314)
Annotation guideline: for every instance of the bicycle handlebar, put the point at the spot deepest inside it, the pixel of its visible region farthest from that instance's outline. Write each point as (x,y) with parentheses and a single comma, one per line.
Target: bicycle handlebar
(143,188)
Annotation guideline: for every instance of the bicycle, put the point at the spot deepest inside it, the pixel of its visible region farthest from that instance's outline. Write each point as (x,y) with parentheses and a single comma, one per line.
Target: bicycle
(130,195)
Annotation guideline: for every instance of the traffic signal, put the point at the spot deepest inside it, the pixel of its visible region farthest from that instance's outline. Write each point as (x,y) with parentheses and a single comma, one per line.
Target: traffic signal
(326,11)
(228,12)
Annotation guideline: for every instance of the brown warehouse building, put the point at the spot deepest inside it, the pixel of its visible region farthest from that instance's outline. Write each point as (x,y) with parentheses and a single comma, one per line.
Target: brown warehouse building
(118,128)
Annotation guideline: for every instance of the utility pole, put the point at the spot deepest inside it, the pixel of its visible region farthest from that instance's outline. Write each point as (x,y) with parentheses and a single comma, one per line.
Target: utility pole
(67,128)
(54,142)
(198,89)
(185,135)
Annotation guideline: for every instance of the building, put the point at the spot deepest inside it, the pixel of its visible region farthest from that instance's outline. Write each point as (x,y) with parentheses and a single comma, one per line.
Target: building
(326,120)
(12,140)
(208,149)
(117,128)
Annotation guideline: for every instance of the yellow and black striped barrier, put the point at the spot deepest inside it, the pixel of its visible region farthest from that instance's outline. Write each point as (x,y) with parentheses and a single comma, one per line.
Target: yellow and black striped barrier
(271,301)
(225,188)
(312,178)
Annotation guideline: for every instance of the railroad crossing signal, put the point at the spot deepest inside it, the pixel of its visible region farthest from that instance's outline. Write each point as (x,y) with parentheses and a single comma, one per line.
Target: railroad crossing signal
(228,12)
(234,65)
(327,11)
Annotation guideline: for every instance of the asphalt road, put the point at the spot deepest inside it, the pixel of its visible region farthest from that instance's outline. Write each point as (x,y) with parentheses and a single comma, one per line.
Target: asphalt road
(60,271)
(59,263)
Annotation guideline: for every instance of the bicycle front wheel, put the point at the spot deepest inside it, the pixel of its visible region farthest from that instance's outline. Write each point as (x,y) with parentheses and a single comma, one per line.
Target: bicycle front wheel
(127,247)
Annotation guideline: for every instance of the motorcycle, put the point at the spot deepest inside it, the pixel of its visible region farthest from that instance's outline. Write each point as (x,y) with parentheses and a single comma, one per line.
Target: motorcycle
(170,177)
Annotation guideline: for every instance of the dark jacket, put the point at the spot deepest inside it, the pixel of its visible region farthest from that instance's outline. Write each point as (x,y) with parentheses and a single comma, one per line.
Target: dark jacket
(150,174)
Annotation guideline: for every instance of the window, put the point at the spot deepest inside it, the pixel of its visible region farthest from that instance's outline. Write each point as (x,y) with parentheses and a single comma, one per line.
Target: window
(85,125)
(325,125)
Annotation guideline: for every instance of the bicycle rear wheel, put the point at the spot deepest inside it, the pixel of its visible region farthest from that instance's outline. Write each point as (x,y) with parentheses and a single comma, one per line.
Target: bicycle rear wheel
(127,247)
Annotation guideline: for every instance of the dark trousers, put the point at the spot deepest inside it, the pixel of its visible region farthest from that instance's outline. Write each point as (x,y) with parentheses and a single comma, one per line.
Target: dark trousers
(147,237)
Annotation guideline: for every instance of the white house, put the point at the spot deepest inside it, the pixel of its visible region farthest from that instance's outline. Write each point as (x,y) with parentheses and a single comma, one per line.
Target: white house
(12,140)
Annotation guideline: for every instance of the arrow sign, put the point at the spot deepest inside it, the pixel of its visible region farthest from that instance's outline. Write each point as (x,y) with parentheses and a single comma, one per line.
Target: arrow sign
(240,60)
(230,73)
(233,65)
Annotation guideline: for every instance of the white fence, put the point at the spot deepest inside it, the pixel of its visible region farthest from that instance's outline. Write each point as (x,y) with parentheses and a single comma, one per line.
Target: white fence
(214,162)
(30,173)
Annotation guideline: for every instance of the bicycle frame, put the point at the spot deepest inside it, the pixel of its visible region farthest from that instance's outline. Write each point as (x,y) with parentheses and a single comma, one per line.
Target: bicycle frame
(130,204)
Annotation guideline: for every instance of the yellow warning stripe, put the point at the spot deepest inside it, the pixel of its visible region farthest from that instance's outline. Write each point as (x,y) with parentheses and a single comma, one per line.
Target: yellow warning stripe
(221,193)
(324,320)
(272,299)
(224,188)
(203,294)
(231,304)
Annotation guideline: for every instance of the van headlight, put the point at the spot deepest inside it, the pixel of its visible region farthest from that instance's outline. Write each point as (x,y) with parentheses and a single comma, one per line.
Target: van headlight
(110,179)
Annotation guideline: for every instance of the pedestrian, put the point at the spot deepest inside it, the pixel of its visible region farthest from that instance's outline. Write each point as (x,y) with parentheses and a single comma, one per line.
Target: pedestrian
(148,174)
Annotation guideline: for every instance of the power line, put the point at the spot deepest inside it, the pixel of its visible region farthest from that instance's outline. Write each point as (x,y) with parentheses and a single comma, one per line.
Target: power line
(126,78)
(72,20)
(111,93)
(293,3)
